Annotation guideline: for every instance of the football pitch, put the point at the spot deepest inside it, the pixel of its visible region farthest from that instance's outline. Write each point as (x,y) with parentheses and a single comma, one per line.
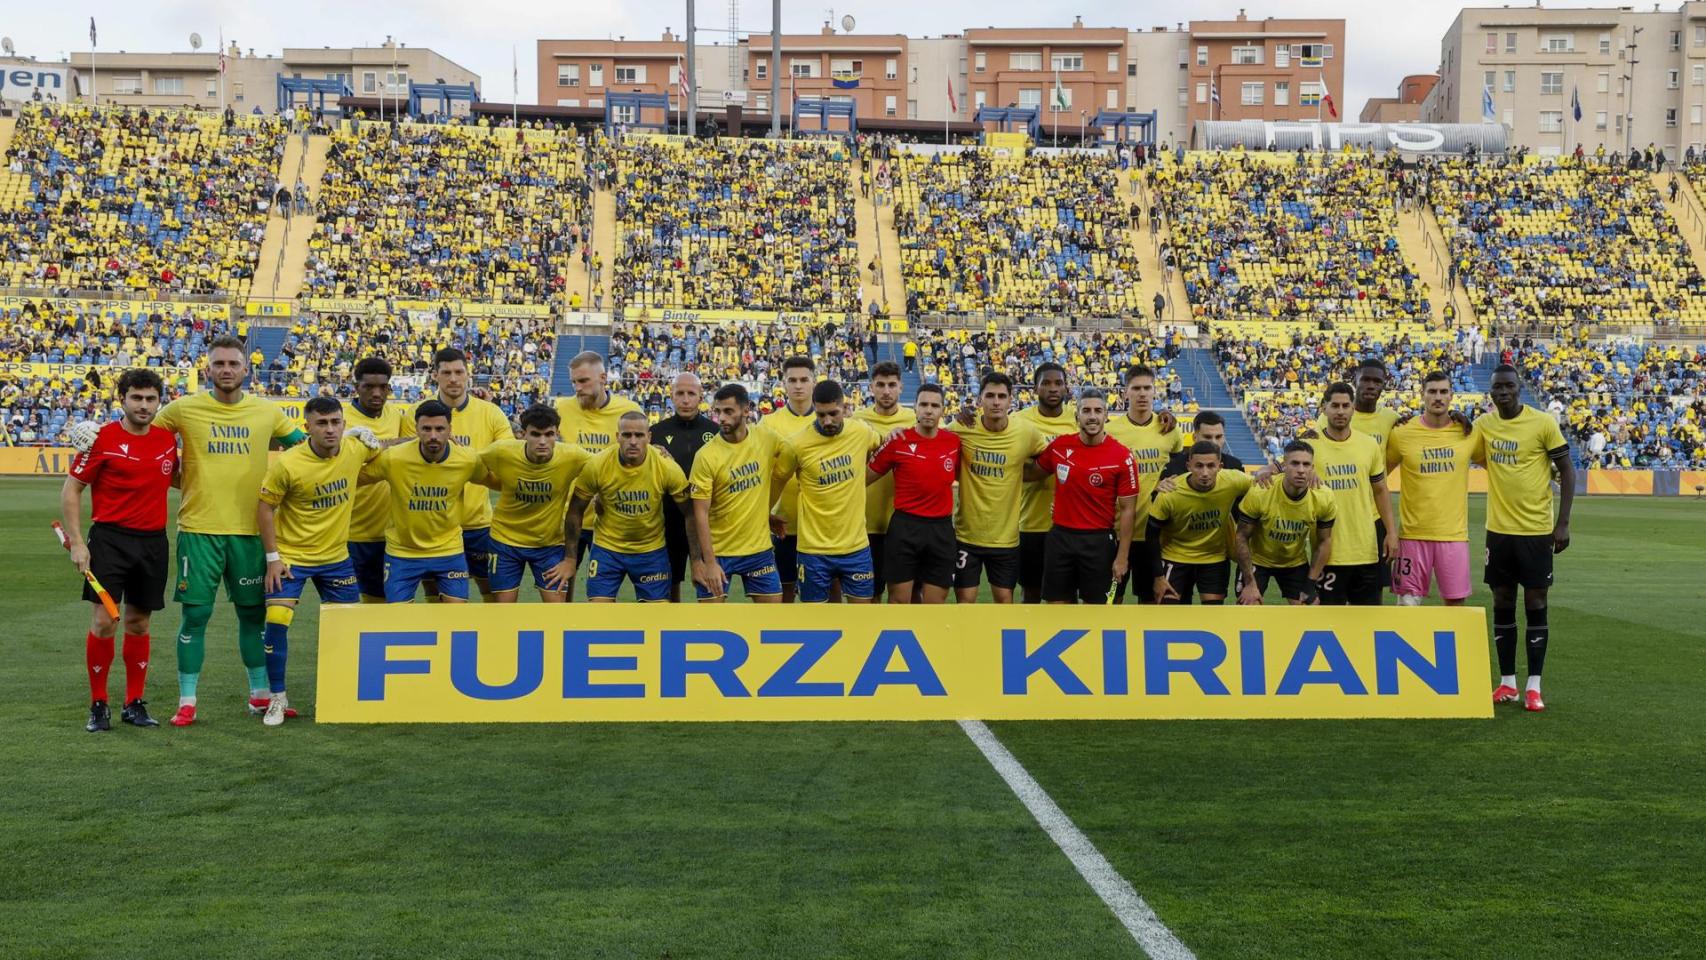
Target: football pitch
(1580,832)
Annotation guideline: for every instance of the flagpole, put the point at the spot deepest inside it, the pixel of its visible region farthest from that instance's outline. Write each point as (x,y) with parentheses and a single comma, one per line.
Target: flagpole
(1320,95)
(514,89)
(221,72)
(94,75)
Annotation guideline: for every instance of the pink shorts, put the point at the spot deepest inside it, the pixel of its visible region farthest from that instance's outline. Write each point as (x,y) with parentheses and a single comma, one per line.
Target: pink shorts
(1420,561)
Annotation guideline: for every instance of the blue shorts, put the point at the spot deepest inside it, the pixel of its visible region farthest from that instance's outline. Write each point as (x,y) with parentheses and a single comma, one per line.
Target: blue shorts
(403,576)
(334,582)
(818,571)
(477,551)
(756,570)
(369,561)
(509,562)
(649,572)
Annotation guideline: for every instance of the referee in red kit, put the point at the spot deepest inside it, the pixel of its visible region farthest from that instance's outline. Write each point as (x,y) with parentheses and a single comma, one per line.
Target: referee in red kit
(1095,499)
(128,470)
(919,550)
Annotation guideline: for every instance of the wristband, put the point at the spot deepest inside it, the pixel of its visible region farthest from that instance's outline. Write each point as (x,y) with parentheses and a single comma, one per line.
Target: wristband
(274,557)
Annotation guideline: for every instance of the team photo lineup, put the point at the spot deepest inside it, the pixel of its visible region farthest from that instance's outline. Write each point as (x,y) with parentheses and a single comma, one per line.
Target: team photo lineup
(865,485)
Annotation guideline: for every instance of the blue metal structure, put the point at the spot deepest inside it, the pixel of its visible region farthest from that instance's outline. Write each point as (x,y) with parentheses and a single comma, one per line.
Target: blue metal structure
(824,111)
(444,93)
(1028,117)
(1122,124)
(638,102)
(289,87)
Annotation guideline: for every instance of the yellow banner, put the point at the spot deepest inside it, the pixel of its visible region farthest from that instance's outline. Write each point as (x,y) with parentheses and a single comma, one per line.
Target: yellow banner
(673,315)
(118,307)
(1280,332)
(608,662)
(35,461)
(461,308)
(184,378)
(1007,144)
(267,308)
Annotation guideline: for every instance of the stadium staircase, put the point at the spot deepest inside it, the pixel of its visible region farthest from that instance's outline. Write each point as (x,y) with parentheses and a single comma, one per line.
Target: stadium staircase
(1417,246)
(1202,380)
(888,244)
(894,348)
(284,249)
(569,343)
(269,340)
(868,238)
(604,238)
(7,125)
(1688,213)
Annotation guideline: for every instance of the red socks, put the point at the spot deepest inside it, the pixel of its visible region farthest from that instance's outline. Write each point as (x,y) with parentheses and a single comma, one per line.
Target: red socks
(135,664)
(98,656)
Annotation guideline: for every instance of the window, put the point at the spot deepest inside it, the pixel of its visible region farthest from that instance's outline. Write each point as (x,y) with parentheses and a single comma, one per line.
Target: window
(1619,123)
(1599,120)
(763,104)
(762,69)
(1184,95)
(846,67)
(1510,81)
(980,98)
(1551,83)
(1551,121)
(595,75)
(1605,44)
(1694,115)
(981,60)
(1673,79)
(624,113)
(1698,77)
(802,68)
(127,85)
(1510,43)
(1489,79)
(1184,57)
(1700,36)
(1508,119)
(630,74)
(1311,54)
(1282,93)
(1675,40)
(1202,92)
(397,84)
(962,66)
(1282,56)
(890,69)
(1670,116)
(1113,61)
(1024,61)
(1202,56)
(369,82)
(1559,43)
(237,92)
(1251,94)
(1603,84)
(1032,98)
(1113,99)
(169,86)
(1131,69)
(575,102)
(912,109)
(1492,43)
(888,105)
(912,73)
(213,87)
(1066,61)
(1246,56)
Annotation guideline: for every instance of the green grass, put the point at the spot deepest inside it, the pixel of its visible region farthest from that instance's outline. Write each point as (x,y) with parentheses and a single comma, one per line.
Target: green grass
(1578,833)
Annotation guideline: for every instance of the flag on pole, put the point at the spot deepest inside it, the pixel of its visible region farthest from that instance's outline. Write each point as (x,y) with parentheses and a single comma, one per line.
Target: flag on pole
(1060,101)
(1576,104)
(1327,98)
(953,105)
(681,80)
(1214,94)
(1487,112)
(91,31)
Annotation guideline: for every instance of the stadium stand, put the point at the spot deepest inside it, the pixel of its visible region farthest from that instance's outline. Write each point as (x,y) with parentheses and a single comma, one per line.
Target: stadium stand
(1279,236)
(1007,236)
(426,212)
(1624,405)
(1549,242)
(41,330)
(735,224)
(136,201)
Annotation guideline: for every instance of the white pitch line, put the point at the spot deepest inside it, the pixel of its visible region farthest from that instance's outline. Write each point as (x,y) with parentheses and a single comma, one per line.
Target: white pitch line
(1133,911)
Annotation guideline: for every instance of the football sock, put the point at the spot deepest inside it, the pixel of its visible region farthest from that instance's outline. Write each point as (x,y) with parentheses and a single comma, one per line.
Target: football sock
(1508,680)
(135,665)
(98,658)
(251,644)
(1504,637)
(1409,600)
(277,645)
(1536,635)
(192,647)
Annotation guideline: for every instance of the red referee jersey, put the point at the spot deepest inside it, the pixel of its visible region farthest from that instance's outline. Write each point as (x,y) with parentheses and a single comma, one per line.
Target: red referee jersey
(1091,480)
(128,476)
(924,471)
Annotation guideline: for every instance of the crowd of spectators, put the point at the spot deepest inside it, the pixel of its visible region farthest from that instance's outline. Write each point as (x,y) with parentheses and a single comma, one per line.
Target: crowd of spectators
(457,211)
(70,331)
(1039,235)
(1276,236)
(1624,405)
(136,201)
(1559,241)
(735,224)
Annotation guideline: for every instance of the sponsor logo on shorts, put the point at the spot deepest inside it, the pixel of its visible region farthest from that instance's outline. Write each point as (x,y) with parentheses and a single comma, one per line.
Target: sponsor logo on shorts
(249,581)
(344,582)
(653,577)
(859,575)
(767,568)
(453,575)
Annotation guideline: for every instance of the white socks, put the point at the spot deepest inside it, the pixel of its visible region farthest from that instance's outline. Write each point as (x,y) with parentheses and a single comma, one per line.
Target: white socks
(186,701)
(1534,684)
(1409,600)
(1508,681)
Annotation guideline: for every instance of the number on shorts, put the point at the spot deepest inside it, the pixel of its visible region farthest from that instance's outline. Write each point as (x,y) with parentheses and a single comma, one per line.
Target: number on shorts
(800,573)
(1327,581)
(1404,566)
(592,569)
(1167,569)
(965,557)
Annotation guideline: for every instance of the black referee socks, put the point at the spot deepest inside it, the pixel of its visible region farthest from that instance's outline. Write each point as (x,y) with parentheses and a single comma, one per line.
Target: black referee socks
(1536,636)
(1504,637)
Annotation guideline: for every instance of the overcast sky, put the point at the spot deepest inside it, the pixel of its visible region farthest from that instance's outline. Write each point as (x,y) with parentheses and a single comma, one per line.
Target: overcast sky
(1385,40)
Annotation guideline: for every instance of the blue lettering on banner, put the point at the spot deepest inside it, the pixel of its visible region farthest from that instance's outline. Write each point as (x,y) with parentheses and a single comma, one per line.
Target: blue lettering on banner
(465,666)
(918,673)
(788,680)
(674,666)
(1159,665)
(579,663)
(1017,665)
(1390,649)
(373,663)
(1302,670)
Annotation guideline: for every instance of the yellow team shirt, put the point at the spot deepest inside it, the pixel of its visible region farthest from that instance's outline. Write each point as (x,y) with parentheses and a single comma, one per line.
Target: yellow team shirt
(992,476)
(831,474)
(533,498)
(736,479)
(784,423)
(593,430)
(1283,524)
(1519,470)
(1433,477)
(314,496)
(1350,468)
(1194,521)
(632,498)
(476,425)
(426,498)
(1150,450)
(1036,503)
(1378,425)
(372,502)
(224,459)
(879,496)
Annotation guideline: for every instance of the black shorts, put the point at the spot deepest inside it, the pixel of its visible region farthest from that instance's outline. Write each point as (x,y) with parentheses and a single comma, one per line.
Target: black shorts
(1357,585)
(131,564)
(1294,582)
(581,545)
(1031,549)
(1379,541)
(1205,578)
(787,558)
(919,550)
(675,542)
(971,560)
(1514,559)
(877,541)
(1140,560)
(1079,565)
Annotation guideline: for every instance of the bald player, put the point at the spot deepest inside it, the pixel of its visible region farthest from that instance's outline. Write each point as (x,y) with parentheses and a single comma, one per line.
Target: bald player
(682,434)
(590,419)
